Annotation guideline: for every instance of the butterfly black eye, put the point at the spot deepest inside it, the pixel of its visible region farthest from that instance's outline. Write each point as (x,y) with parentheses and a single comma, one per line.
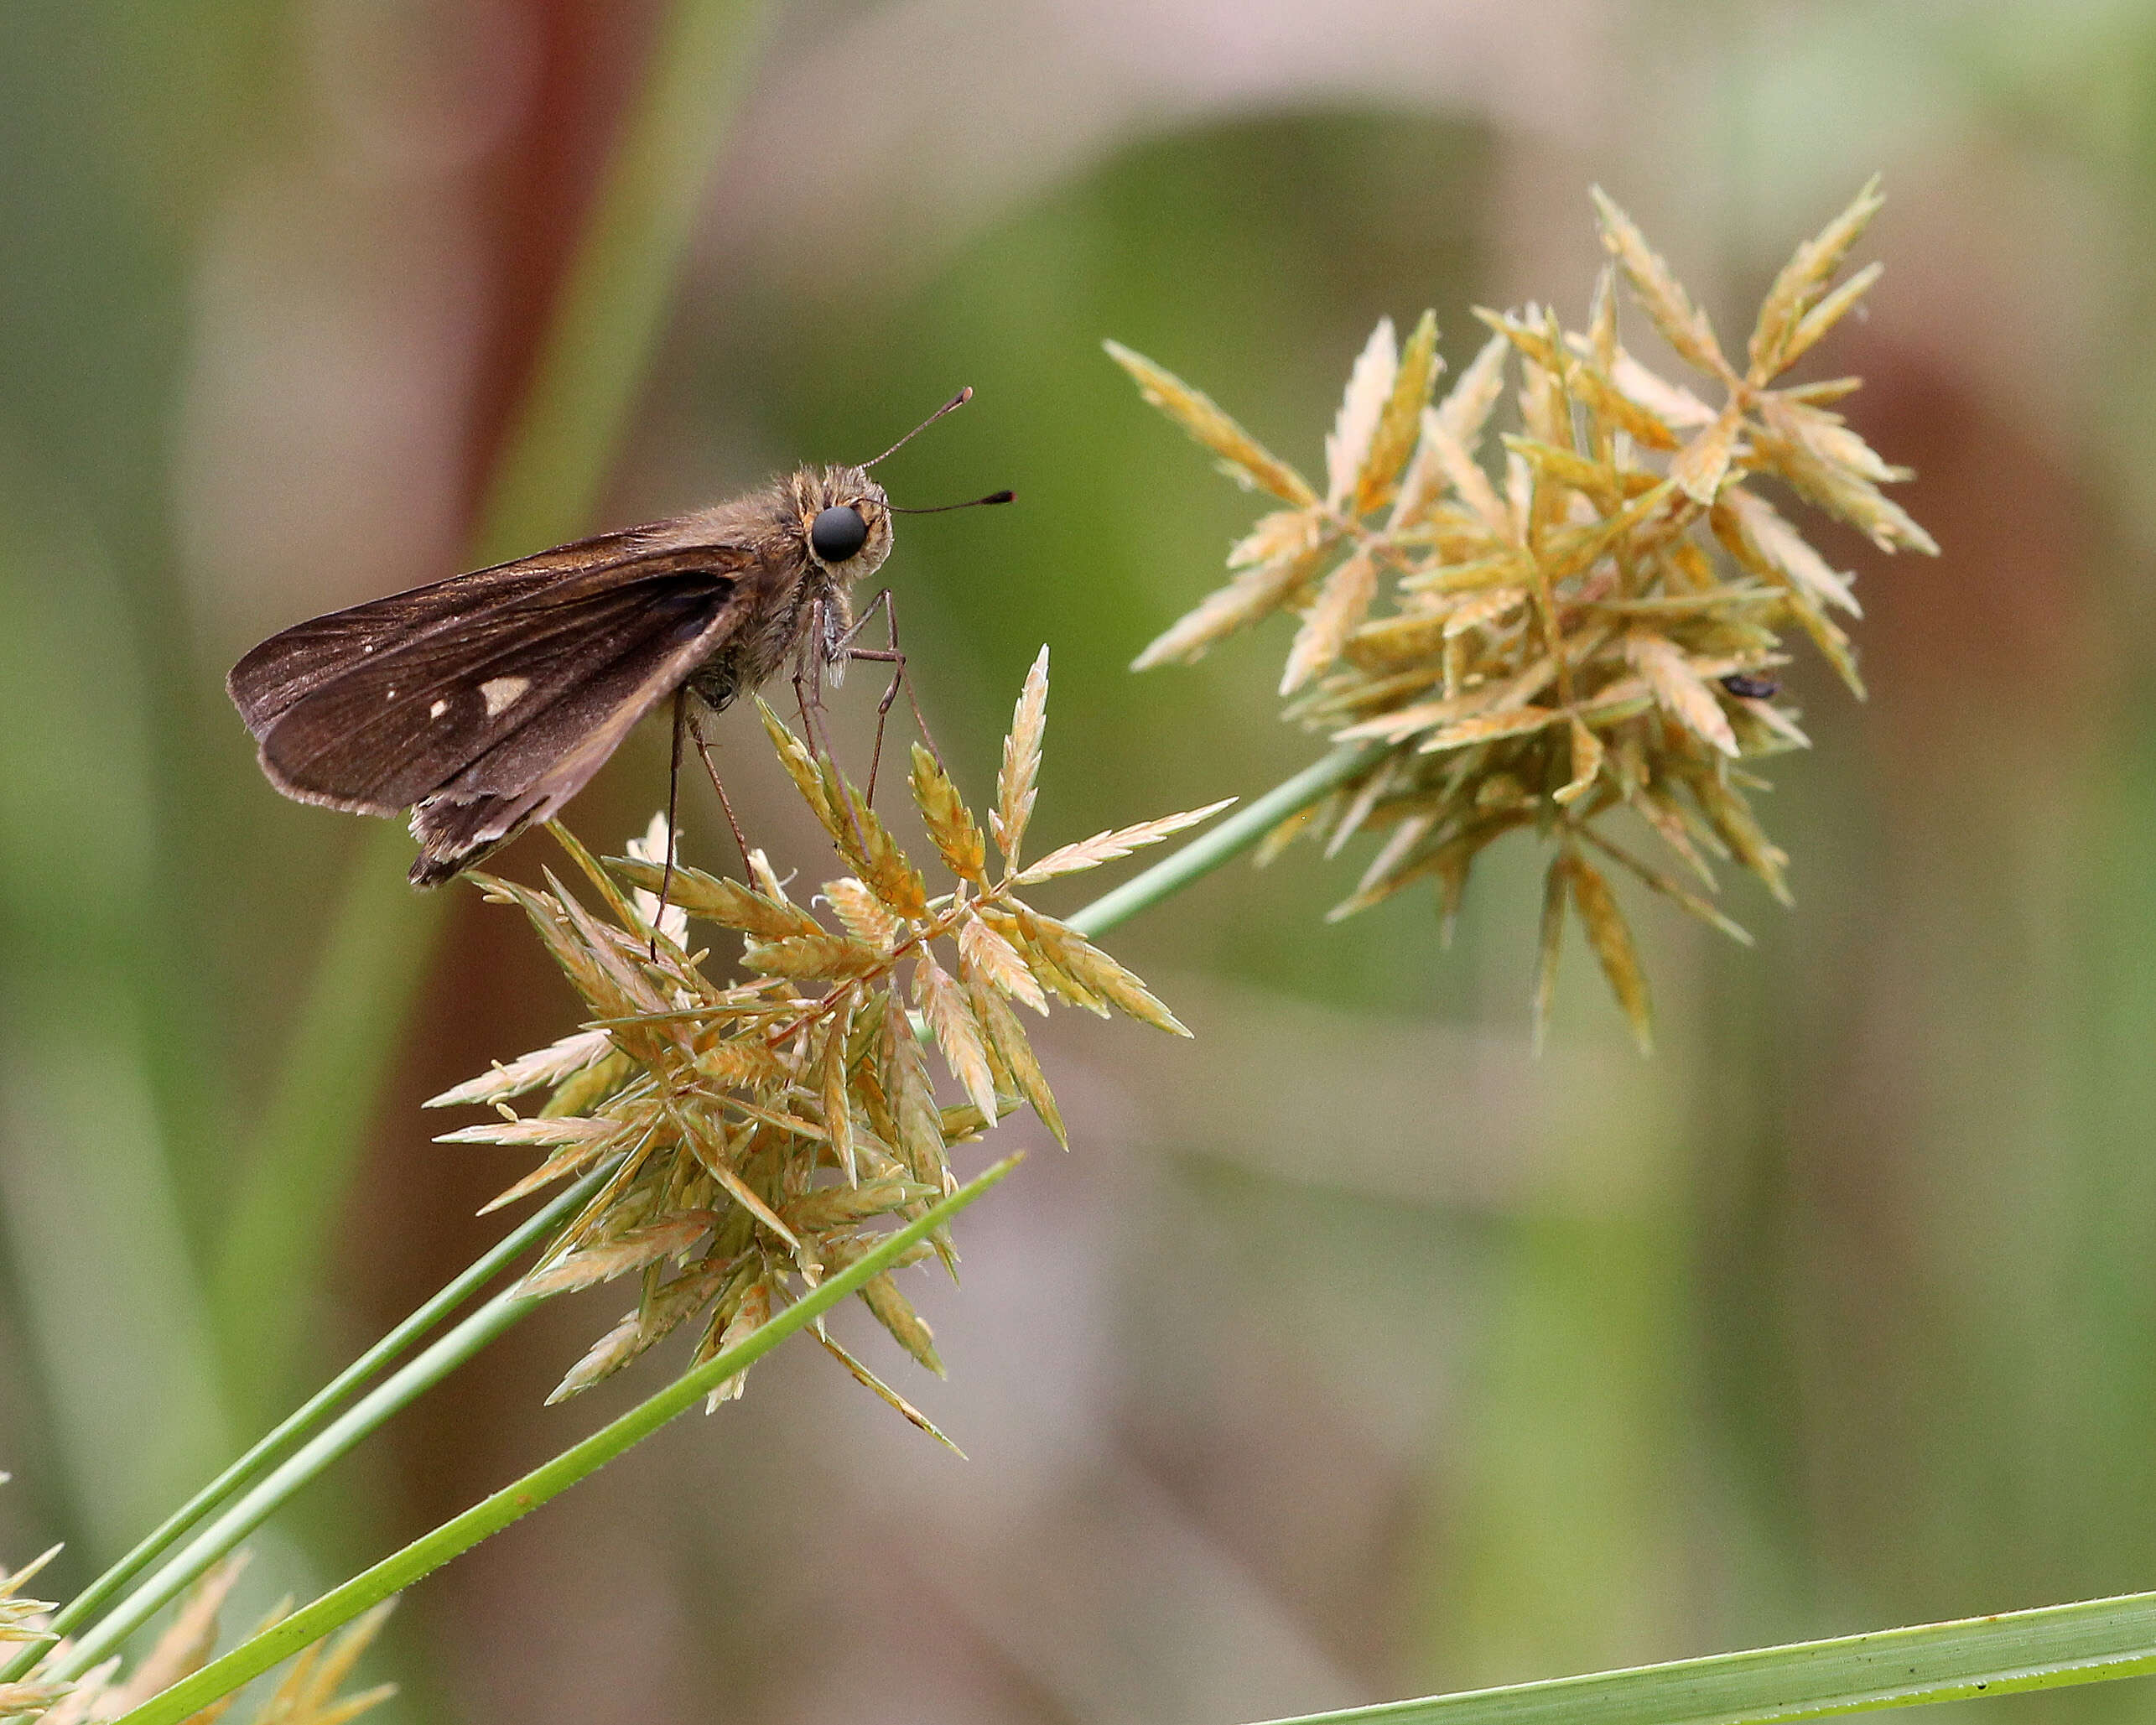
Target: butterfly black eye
(837,532)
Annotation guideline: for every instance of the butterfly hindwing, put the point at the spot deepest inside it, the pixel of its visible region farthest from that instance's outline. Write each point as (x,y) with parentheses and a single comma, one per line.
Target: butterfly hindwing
(536,769)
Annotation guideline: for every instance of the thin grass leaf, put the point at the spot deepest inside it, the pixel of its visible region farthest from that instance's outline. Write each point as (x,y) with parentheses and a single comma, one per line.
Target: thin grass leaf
(916,1120)
(1703,464)
(714,900)
(949,822)
(1488,727)
(1245,460)
(833,1074)
(1469,483)
(1788,444)
(559,1167)
(867,918)
(545,1133)
(631,1251)
(1007,1038)
(1370,392)
(869,1381)
(749,1198)
(1830,311)
(1093,969)
(553,1064)
(1682,693)
(1481,610)
(1107,847)
(1757,534)
(803,767)
(1465,408)
(759,1300)
(1283,533)
(1556,889)
(951,1021)
(1778,338)
(1377,785)
(830,1207)
(1739,828)
(740,1060)
(1675,892)
(1611,938)
(1286,832)
(1684,326)
(985,958)
(1252,596)
(1399,426)
(1018,783)
(1587,752)
(1342,603)
(908,1328)
(828,957)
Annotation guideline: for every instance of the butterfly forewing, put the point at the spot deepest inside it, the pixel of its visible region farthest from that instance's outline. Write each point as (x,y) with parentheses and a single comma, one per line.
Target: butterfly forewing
(383,706)
(296,662)
(402,723)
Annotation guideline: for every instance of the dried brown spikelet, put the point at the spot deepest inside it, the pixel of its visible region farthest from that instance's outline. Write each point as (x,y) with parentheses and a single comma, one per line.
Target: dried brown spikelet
(761,1132)
(1589,633)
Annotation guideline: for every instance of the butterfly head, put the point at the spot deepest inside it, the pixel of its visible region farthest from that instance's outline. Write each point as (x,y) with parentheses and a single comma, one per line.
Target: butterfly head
(845,520)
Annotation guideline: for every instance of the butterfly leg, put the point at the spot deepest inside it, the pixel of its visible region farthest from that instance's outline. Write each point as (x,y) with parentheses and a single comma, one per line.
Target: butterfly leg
(711,766)
(808,696)
(891,656)
(673,802)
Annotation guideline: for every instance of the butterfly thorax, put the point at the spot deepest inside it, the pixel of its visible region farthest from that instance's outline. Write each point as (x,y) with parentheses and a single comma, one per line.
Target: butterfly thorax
(796,606)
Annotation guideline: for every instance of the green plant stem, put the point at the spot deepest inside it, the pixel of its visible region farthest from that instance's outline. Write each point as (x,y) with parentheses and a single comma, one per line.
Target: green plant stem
(306,1419)
(347,1031)
(1218,844)
(2093,1641)
(244,1515)
(491,1514)
(543,489)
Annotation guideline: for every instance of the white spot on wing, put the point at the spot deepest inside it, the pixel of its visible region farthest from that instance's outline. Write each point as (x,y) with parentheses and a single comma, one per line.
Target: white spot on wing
(438,709)
(503,692)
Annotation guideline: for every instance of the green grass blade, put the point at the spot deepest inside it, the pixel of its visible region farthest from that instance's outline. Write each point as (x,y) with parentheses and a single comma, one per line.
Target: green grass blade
(491,1514)
(2093,1641)
(297,1169)
(1218,844)
(305,1421)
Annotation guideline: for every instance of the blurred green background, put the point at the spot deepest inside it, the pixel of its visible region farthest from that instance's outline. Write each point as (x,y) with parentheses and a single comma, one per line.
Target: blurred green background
(1350,1354)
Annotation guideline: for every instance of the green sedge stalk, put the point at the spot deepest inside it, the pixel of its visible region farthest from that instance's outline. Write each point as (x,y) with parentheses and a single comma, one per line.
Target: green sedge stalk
(1222,842)
(2093,1641)
(306,1420)
(491,1514)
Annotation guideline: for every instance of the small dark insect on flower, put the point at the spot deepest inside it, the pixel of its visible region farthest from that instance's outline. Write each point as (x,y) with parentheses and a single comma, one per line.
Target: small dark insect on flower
(1752,689)
(484,703)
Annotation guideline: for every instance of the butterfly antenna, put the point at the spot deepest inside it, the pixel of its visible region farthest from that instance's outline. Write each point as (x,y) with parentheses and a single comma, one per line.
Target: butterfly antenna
(971,503)
(956,402)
